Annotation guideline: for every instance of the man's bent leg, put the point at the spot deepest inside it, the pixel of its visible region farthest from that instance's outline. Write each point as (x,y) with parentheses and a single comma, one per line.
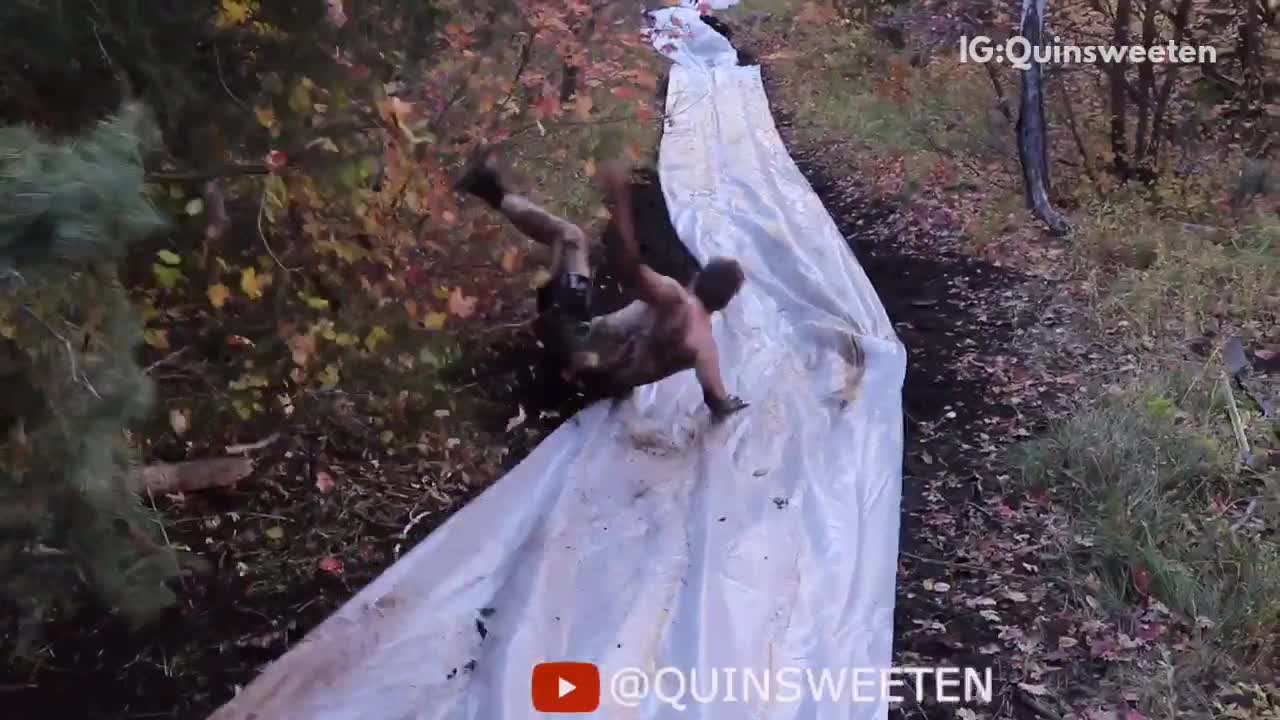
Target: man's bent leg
(567,241)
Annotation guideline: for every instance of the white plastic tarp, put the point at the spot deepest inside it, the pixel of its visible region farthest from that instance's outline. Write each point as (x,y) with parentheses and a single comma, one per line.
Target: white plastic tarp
(639,535)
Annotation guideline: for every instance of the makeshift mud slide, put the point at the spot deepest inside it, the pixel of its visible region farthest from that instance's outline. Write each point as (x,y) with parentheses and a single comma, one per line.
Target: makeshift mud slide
(639,534)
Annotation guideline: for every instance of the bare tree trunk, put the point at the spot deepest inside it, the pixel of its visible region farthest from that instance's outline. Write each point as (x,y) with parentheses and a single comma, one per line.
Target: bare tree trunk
(1032,139)
(1085,161)
(1119,129)
(1146,88)
(1181,20)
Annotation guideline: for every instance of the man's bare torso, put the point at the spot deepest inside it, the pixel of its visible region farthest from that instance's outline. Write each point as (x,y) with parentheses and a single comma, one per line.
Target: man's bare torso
(643,343)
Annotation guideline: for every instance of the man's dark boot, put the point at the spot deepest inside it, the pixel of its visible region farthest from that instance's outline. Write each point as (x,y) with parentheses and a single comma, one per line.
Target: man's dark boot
(481,178)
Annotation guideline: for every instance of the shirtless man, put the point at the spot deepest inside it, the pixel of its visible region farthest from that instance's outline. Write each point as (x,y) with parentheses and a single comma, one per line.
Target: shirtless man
(665,330)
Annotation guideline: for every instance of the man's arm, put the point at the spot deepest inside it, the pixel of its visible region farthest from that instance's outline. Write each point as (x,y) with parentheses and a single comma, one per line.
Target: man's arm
(652,286)
(707,369)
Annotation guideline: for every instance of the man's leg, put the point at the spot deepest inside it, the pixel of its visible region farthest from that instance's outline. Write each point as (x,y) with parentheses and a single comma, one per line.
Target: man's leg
(564,302)
(568,242)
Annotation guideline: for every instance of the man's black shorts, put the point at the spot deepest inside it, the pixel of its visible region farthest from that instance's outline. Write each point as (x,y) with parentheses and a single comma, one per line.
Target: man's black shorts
(564,313)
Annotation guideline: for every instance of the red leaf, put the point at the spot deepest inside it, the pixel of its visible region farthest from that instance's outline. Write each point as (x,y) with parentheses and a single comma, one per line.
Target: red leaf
(276,160)
(324,482)
(331,565)
(1141,580)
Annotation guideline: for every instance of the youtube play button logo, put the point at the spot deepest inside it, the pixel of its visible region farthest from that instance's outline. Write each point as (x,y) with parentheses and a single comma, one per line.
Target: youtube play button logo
(566,687)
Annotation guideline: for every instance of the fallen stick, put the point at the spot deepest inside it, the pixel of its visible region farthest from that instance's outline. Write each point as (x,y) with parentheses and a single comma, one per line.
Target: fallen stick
(250,447)
(1237,424)
(194,475)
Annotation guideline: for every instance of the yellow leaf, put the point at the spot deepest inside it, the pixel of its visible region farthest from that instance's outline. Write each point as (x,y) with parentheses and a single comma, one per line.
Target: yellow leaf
(386,436)
(266,116)
(158,339)
(300,98)
(317,303)
(233,12)
(377,335)
(218,294)
(345,339)
(250,283)
(329,377)
(434,321)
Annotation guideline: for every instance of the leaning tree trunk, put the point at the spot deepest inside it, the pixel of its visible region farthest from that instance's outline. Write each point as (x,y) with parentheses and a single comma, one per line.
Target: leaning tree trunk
(1032,143)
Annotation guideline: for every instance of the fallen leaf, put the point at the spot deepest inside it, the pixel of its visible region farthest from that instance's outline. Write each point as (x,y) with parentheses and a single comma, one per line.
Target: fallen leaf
(434,321)
(517,420)
(249,283)
(179,421)
(1141,580)
(375,337)
(301,348)
(275,533)
(266,116)
(218,294)
(169,257)
(510,260)
(158,339)
(239,341)
(331,565)
(1067,642)
(1030,689)
(1015,596)
(337,15)
(276,160)
(324,482)
(461,305)
(194,206)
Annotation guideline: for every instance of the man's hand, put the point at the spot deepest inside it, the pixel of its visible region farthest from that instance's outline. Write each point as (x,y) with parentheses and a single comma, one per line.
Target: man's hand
(721,409)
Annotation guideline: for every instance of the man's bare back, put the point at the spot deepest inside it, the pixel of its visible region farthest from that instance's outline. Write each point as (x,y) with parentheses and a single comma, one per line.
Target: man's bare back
(666,330)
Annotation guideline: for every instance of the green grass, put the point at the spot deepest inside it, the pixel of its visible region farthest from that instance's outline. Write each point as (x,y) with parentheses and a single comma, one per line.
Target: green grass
(1169,277)
(1149,477)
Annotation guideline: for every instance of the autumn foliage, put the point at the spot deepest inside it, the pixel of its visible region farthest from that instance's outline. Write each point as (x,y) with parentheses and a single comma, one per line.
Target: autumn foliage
(307,162)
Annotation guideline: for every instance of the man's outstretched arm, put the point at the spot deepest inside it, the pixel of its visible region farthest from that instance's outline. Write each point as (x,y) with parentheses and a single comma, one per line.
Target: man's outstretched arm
(652,286)
(707,369)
